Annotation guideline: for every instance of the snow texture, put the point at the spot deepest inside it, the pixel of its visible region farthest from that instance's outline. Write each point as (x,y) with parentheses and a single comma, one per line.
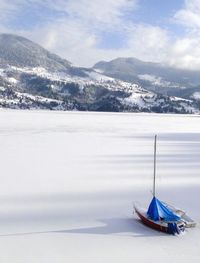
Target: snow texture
(196,95)
(69,180)
(157,81)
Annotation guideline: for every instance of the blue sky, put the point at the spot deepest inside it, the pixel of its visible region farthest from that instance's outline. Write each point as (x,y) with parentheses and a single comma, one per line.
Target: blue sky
(157,11)
(151,12)
(85,31)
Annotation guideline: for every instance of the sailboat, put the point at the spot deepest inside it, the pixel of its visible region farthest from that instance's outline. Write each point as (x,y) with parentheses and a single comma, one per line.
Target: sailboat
(161,216)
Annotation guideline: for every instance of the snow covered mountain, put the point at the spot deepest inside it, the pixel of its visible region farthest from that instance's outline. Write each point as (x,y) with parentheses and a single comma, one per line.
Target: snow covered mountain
(153,76)
(31,77)
(21,52)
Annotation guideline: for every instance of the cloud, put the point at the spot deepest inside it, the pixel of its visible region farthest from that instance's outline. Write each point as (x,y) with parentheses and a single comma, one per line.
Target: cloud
(96,13)
(189,16)
(67,39)
(185,51)
(148,42)
(79,44)
(75,29)
(7,9)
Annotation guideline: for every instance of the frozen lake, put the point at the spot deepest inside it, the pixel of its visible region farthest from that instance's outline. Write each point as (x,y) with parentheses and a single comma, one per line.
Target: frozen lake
(69,180)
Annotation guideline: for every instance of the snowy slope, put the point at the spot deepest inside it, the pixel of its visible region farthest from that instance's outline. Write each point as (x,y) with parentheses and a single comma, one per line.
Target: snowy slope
(21,52)
(32,77)
(152,76)
(91,91)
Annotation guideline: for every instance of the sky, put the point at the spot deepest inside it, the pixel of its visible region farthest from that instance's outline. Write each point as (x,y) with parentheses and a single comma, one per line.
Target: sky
(85,32)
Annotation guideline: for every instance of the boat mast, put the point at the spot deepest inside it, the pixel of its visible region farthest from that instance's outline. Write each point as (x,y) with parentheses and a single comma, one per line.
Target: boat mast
(154,170)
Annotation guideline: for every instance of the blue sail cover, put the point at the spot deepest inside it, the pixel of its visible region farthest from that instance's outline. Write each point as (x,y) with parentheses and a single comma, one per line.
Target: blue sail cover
(157,211)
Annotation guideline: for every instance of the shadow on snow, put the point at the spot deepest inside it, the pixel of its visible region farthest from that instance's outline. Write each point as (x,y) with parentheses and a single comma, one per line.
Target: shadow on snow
(114,226)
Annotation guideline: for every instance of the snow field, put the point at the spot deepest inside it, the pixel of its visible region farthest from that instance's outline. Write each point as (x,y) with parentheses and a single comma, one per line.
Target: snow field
(69,179)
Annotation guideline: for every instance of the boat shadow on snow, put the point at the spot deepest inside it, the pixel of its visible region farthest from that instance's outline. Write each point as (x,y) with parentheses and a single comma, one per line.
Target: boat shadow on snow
(120,226)
(131,227)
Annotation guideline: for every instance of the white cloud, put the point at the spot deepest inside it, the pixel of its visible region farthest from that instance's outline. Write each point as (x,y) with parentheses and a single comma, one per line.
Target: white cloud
(95,12)
(185,51)
(189,16)
(148,42)
(78,44)
(67,39)
(7,9)
(77,32)
(75,36)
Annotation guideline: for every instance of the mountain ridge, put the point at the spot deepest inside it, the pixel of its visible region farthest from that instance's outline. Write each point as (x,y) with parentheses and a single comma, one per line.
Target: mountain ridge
(20,52)
(153,76)
(32,77)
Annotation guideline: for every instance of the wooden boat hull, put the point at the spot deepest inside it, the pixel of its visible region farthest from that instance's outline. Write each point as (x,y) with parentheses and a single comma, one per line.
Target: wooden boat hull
(157,226)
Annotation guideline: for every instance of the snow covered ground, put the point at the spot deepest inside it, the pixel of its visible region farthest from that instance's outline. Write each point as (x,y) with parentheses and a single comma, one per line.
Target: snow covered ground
(69,180)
